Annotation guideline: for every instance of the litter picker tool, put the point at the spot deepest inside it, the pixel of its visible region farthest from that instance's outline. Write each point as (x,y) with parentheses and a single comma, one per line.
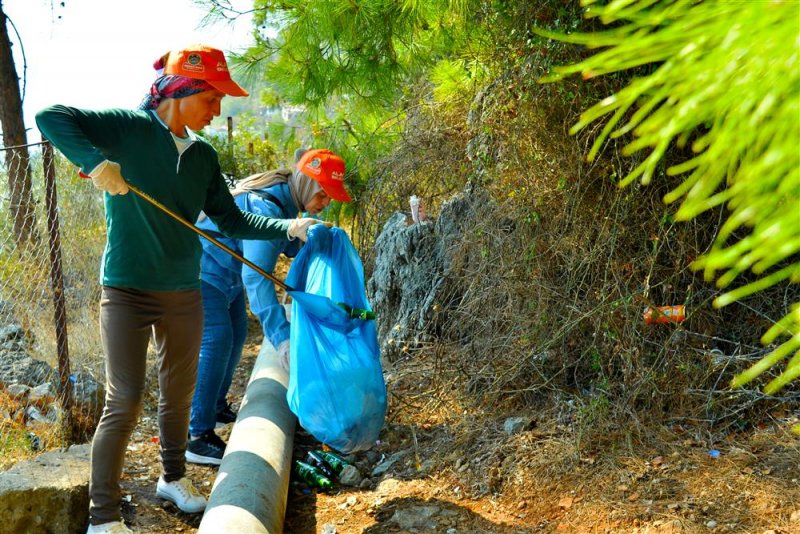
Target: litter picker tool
(312,300)
(141,194)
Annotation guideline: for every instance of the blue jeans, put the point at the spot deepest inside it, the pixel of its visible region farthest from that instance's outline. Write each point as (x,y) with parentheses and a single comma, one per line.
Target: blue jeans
(224,333)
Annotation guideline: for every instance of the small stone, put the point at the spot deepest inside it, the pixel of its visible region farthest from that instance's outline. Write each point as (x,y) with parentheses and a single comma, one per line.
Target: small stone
(565,503)
(34,413)
(385,465)
(12,332)
(42,391)
(515,425)
(711,524)
(350,476)
(416,517)
(18,390)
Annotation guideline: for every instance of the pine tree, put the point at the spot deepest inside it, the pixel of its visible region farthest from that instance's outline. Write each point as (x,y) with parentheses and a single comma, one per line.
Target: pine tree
(13,130)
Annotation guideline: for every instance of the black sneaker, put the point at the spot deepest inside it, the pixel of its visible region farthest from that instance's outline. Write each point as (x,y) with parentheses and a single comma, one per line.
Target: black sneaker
(226,416)
(207,449)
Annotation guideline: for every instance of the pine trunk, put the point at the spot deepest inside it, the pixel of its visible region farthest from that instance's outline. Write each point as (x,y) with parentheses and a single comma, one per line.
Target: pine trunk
(16,159)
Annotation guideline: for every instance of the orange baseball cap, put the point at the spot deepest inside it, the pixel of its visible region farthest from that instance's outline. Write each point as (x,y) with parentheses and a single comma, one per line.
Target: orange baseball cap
(328,170)
(202,62)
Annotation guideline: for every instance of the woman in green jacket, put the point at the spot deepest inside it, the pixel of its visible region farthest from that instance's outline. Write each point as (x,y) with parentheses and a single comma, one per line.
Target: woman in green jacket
(150,269)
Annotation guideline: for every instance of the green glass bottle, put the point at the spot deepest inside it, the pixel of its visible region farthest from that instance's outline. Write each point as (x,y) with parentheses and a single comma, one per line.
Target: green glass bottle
(357,313)
(314,459)
(312,476)
(336,462)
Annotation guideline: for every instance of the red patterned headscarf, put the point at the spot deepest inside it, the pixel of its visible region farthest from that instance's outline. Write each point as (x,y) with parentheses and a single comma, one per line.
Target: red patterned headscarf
(171,86)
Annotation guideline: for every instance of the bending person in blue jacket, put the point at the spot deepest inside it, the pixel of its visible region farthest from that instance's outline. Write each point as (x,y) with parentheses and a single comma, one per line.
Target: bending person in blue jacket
(283,193)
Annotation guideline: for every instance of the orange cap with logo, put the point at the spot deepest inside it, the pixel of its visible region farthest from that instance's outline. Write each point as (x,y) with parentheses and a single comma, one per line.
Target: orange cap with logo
(202,62)
(328,170)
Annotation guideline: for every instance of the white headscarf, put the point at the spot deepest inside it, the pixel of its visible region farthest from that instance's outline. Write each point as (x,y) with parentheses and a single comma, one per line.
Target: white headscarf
(301,186)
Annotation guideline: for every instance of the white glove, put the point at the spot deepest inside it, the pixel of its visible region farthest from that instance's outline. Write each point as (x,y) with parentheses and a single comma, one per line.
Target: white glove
(298,228)
(107,177)
(283,354)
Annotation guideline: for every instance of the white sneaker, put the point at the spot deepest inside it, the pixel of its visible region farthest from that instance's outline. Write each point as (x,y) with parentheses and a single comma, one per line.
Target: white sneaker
(115,527)
(182,493)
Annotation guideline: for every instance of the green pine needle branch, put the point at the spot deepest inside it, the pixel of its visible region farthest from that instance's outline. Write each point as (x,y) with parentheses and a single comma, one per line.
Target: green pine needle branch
(726,83)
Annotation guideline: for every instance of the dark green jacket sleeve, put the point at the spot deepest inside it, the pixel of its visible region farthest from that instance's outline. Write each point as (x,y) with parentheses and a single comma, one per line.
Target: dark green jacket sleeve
(84,137)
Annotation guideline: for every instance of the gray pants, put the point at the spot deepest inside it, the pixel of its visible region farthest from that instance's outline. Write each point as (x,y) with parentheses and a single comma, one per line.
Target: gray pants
(128,319)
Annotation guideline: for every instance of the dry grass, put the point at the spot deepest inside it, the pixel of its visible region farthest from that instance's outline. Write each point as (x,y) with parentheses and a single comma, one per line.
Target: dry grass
(620,483)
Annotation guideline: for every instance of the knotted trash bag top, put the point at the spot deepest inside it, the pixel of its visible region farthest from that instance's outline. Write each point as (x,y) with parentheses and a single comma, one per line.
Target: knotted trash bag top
(336,386)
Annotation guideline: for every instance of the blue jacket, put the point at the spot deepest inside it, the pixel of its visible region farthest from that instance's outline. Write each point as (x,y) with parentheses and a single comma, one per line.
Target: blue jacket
(227,274)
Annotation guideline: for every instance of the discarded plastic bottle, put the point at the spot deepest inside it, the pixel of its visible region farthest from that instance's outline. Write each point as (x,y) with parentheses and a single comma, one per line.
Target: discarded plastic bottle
(312,476)
(414,202)
(664,314)
(336,462)
(314,459)
(357,313)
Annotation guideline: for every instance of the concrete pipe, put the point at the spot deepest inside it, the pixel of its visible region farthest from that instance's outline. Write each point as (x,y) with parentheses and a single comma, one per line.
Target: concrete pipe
(250,491)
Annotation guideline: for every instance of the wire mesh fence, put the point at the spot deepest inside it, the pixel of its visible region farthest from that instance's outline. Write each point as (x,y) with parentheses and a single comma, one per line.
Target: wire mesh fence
(51,241)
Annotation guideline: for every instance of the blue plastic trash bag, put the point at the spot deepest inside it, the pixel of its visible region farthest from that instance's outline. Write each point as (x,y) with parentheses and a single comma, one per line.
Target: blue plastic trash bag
(336,386)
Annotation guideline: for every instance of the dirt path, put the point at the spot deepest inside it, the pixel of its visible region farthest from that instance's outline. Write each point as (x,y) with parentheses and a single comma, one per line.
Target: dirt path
(451,483)
(369,509)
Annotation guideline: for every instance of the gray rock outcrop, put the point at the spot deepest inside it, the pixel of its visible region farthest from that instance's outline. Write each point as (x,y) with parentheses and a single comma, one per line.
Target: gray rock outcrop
(18,367)
(409,289)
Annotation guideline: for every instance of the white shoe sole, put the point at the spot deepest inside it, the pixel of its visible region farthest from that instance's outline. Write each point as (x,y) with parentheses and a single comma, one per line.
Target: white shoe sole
(188,509)
(202,460)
